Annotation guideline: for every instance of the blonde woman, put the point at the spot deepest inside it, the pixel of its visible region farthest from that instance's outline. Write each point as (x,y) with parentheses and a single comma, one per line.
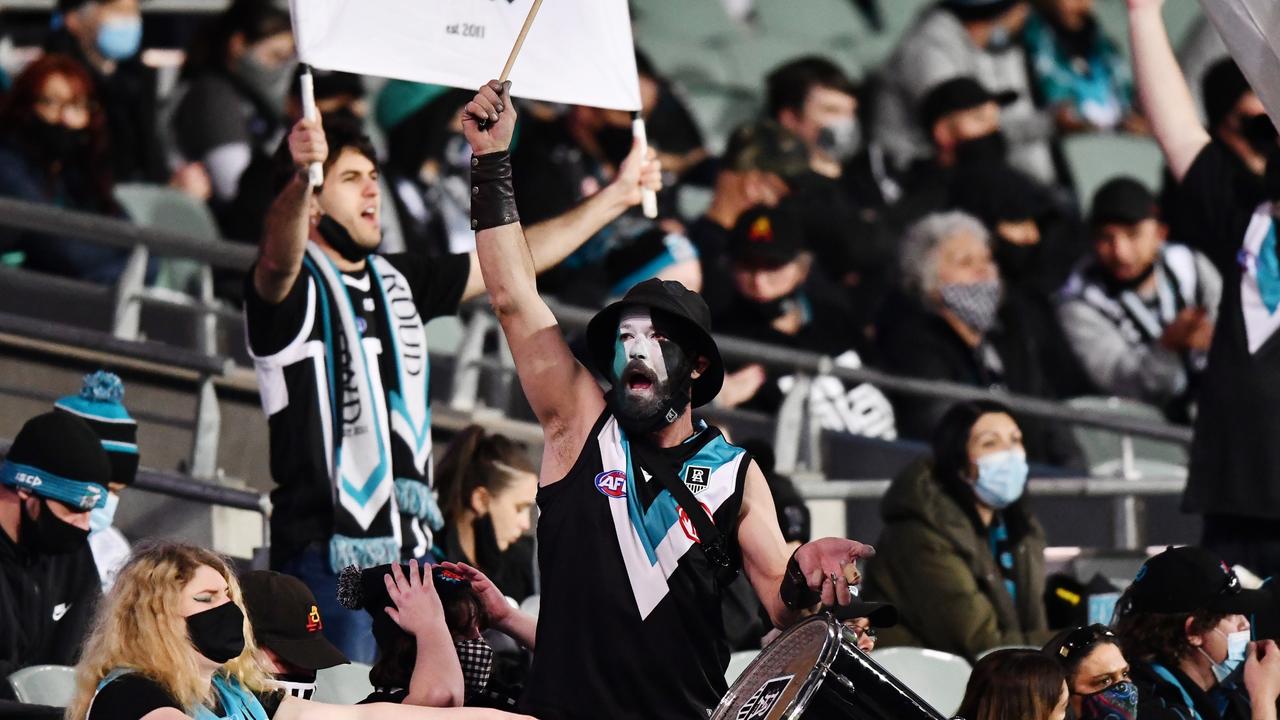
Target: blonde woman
(172,642)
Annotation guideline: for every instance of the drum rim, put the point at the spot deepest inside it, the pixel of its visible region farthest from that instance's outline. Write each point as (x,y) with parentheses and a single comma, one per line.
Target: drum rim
(830,649)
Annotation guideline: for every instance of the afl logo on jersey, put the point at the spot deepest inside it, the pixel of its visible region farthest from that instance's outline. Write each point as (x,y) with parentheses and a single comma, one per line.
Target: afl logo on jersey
(612,483)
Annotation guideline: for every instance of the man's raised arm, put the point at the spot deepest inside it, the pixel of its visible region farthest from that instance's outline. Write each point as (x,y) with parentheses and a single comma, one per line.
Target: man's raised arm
(553,240)
(560,390)
(284,236)
(1166,99)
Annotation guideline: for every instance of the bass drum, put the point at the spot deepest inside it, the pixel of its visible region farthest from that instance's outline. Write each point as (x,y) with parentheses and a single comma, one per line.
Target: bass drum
(815,671)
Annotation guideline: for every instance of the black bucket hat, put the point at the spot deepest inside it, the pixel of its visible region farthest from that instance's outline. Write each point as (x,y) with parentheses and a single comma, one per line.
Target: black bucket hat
(678,304)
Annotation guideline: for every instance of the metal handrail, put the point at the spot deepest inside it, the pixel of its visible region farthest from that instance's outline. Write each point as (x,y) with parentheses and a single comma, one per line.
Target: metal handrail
(37,217)
(225,254)
(1036,487)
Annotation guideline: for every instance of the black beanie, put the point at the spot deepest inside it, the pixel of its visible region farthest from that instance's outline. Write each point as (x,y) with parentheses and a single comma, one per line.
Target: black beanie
(57,456)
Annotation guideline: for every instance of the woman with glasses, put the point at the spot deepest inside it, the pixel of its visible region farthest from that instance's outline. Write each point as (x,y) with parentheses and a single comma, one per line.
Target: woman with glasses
(1097,673)
(1184,626)
(961,556)
(54,150)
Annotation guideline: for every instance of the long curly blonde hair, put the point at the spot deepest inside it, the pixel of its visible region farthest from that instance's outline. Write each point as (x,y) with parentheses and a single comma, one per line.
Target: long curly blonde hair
(139,628)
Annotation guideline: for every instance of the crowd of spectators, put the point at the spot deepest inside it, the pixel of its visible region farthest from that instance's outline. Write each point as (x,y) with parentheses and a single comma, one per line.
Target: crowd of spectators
(922,221)
(919,220)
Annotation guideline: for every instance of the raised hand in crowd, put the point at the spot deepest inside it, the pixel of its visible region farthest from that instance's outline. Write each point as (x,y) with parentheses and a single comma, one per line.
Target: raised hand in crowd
(504,618)
(639,171)
(307,143)
(1262,678)
(489,119)
(416,606)
(437,679)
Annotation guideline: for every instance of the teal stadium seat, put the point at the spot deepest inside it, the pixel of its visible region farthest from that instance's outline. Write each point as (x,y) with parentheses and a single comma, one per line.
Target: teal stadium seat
(939,678)
(343,684)
(1095,158)
(52,685)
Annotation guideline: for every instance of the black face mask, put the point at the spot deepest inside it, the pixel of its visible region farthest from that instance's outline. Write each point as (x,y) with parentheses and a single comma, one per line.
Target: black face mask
(988,150)
(55,141)
(340,240)
(218,634)
(48,535)
(1016,261)
(1271,178)
(1118,286)
(615,143)
(1259,132)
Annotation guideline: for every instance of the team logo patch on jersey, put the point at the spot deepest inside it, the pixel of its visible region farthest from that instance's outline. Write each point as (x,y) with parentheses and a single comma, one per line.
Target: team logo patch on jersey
(612,483)
(696,478)
(686,524)
(763,701)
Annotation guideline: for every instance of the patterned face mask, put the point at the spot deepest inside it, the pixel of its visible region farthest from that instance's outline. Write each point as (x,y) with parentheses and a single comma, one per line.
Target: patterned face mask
(1118,702)
(476,658)
(975,304)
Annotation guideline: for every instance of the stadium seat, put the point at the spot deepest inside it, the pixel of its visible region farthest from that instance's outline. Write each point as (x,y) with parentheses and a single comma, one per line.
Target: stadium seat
(1095,158)
(343,684)
(937,677)
(51,685)
(164,208)
(738,662)
(987,652)
(1104,450)
(531,605)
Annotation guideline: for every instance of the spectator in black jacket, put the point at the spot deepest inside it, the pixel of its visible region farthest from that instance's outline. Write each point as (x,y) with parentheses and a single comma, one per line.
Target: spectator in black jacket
(948,325)
(780,301)
(56,472)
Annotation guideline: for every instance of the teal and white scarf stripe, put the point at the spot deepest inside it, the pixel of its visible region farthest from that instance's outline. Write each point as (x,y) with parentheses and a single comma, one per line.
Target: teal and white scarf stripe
(364,476)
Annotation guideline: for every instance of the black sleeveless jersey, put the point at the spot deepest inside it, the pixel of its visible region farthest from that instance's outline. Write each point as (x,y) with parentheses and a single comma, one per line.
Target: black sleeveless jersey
(630,623)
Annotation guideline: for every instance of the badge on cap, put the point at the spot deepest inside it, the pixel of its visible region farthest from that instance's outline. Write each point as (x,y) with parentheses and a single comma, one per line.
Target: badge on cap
(313,620)
(761,230)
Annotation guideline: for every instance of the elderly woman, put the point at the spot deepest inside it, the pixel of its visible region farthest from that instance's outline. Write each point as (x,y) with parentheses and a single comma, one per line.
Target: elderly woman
(947,324)
(961,557)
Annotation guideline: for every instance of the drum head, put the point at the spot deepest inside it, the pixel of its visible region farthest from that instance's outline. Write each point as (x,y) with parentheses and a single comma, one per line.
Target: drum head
(785,673)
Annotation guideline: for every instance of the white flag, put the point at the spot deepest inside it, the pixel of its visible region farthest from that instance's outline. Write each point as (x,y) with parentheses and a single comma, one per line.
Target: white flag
(1251,30)
(578,52)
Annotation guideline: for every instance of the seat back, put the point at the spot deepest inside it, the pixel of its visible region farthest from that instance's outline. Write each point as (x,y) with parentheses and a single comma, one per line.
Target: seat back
(52,685)
(343,684)
(1095,158)
(738,662)
(937,677)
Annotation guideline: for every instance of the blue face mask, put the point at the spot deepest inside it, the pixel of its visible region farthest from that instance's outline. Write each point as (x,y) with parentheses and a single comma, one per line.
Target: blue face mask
(101,518)
(1237,646)
(1002,476)
(120,38)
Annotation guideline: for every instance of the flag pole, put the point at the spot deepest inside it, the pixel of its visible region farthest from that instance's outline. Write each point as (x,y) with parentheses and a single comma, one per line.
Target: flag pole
(648,198)
(515,49)
(315,173)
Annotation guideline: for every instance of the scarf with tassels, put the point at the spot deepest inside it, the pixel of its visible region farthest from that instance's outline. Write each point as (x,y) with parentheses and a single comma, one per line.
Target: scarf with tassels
(377,394)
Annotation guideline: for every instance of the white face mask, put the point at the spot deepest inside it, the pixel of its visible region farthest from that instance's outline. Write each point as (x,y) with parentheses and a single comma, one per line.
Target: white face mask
(101,518)
(1002,478)
(1237,647)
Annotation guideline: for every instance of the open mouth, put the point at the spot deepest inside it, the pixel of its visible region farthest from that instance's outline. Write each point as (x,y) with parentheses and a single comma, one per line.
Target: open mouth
(638,379)
(370,213)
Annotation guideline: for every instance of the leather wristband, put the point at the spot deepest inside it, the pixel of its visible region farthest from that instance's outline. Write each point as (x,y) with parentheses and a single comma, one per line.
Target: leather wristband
(493,197)
(794,589)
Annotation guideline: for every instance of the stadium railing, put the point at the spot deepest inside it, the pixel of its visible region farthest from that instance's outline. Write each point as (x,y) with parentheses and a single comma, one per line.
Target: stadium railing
(796,436)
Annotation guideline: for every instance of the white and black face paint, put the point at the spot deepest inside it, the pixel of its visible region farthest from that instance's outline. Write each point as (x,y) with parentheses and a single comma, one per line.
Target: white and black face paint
(651,373)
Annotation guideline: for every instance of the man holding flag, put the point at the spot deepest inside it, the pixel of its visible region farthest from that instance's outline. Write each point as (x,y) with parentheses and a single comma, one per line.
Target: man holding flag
(633,564)
(338,340)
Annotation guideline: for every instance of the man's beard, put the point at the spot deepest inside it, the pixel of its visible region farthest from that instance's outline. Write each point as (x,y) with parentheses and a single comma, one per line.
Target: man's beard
(666,401)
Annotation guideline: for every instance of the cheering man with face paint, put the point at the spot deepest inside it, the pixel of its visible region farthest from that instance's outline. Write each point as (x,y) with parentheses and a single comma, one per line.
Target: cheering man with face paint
(630,625)
(336,332)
